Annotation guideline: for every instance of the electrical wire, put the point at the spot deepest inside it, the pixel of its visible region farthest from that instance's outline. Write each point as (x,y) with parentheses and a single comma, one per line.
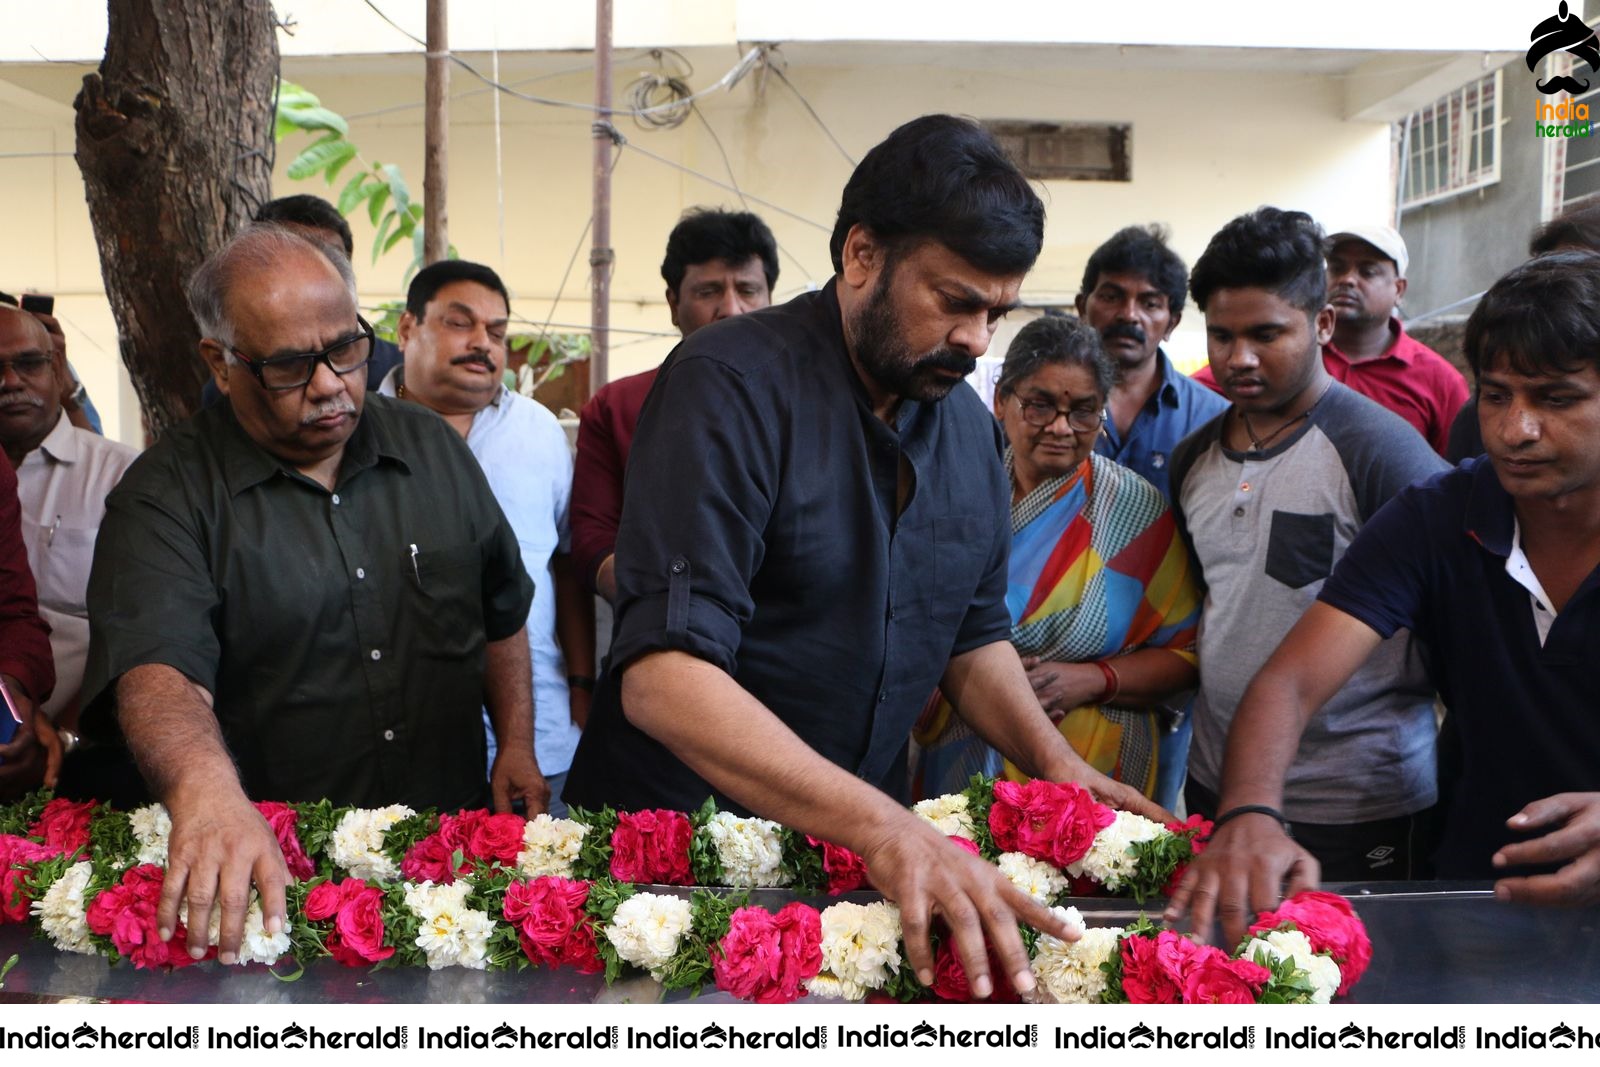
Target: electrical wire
(728,165)
(784,78)
(769,205)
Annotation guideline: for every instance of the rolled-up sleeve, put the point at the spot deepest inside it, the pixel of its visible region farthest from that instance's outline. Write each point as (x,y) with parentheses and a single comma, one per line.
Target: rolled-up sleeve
(24,636)
(701,487)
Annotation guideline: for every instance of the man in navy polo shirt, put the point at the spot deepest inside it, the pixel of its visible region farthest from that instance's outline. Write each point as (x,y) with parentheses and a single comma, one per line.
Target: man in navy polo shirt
(1495,566)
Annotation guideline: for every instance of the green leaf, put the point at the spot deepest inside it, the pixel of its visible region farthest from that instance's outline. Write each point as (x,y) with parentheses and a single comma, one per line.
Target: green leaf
(394,238)
(338,164)
(356,191)
(378,245)
(292,95)
(397,186)
(314,118)
(377,200)
(320,155)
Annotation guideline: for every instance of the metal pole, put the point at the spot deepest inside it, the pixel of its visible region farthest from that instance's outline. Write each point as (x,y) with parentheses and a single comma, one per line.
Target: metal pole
(601,256)
(436,135)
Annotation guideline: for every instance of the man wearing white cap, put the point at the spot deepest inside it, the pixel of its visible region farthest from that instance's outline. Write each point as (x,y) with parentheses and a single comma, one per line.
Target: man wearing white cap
(1370,351)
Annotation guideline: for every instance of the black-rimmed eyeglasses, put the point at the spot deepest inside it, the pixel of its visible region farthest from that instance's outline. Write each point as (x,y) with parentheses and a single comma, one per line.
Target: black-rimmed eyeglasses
(1041,414)
(294,371)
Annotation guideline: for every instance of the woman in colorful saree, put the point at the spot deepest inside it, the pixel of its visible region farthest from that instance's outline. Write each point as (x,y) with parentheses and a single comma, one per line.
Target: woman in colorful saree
(1103,599)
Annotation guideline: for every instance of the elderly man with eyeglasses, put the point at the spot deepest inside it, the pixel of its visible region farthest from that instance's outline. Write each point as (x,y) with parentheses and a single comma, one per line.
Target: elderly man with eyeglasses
(306,592)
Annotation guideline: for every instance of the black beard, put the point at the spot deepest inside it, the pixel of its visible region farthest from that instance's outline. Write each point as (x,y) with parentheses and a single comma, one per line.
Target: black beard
(879,346)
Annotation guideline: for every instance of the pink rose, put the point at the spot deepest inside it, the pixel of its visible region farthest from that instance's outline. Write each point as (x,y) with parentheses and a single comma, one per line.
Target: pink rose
(432,860)
(126,913)
(323,900)
(552,926)
(497,839)
(768,958)
(457,829)
(651,847)
(1052,821)
(1331,925)
(966,845)
(1154,969)
(358,929)
(1219,980)
(283,819)
(1198,829)
(16,855)
(846,871)
(64,825)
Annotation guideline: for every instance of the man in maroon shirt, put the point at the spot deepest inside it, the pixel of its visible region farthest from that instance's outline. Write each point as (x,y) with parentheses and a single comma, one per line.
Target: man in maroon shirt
(1370,351)
(34,754)
(718,264)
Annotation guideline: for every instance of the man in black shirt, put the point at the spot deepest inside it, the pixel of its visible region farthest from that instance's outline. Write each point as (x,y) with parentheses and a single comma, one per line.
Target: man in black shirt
(305,592)
(814,537)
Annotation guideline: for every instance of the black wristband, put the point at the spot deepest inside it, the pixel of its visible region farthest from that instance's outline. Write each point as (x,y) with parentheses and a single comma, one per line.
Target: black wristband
(580,681)
(1250,809)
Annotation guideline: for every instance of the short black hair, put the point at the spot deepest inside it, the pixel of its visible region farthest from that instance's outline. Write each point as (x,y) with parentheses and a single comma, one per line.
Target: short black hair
(1543,318)
(1140,250)
(947,179)
(436,276)
(704,234)
(1055,338)
(1577,228)
(303,209)
(1279,251)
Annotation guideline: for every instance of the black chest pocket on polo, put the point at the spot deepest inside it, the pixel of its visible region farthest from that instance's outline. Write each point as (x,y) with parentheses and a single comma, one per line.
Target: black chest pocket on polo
(1300,548)
(442,606)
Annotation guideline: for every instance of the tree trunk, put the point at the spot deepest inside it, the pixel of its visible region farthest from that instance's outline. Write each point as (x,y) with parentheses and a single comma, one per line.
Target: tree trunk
(175,145)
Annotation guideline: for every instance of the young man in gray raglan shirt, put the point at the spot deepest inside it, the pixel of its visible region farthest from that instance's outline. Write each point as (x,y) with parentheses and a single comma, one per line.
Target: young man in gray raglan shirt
(1269,494)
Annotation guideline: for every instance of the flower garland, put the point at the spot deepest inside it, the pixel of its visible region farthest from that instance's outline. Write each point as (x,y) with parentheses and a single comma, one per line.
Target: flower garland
(395,887)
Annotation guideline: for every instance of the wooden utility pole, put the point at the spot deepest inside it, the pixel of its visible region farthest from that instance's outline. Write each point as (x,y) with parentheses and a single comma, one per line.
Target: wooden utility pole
(436,135)
(601,256)
(174,139)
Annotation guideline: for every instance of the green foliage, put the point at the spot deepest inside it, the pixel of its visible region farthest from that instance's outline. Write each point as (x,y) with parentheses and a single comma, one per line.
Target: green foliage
(903,985)
(594,856)
(705,864)
(112,844)
(400,928)
(398,839)
(16,817)
(690,967)
(305,936)
(1140,927)
(980,798)
(605,895)
(549,354)
(802,863)
(1155,862)
(5,968)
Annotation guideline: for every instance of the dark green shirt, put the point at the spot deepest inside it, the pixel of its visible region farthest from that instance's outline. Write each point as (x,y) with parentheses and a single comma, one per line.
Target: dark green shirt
(342,633)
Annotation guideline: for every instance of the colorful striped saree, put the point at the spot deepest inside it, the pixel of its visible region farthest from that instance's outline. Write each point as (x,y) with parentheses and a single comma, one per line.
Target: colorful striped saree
(1097,571)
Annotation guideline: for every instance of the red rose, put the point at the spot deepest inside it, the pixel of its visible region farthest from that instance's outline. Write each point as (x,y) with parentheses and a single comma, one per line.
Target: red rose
(64,825)
(950,976)
(1052,821)
(432,860)
(967,845)
(283,819)
(552,926)
(846,871)
(126,913)
(768,958)
(324,900)
(1198,829)
(1331,925)
(651,847)
(1219,980)
(457,829)
(357,936)
(497,839)
(16,854)
(1154,969)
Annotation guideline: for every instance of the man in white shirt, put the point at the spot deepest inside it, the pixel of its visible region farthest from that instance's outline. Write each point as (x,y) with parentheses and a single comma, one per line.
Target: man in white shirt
(63,476)
(453,336)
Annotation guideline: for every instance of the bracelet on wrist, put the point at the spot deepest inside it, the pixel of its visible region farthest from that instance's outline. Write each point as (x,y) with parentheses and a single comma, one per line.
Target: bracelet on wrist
(1113,682)
(580,681)
(1250,809)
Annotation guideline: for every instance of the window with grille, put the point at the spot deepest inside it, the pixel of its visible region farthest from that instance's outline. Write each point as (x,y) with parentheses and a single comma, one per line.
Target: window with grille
(1453,144)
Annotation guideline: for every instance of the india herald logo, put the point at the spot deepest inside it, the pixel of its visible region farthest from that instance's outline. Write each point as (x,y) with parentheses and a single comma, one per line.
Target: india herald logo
(1564,32)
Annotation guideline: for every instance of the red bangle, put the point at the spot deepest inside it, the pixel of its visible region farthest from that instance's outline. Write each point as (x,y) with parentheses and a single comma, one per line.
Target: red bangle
(1113,682)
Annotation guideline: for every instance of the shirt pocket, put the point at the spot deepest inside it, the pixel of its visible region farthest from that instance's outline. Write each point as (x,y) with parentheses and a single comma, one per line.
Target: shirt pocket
(1300,548)
(961,548)
(443,603)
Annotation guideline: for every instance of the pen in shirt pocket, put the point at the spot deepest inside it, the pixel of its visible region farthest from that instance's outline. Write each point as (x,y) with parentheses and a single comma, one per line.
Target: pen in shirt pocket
(414,570)
(50,538)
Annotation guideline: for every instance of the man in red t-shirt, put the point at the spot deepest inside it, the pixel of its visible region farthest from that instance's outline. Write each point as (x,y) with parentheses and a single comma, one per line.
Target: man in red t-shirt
(1370,351)
(718,264)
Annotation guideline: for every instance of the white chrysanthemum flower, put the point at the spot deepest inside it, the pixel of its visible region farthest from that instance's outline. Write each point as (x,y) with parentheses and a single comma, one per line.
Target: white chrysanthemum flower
(1110,859)
(357,842)
(1284,944)
(828,987)
(861,943)
(450,933)
(1038,879)
(152,826)
(948,814)
(1069,972)
(60,910)
(647,928)
(256,946)
(550,846)
(750,850)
